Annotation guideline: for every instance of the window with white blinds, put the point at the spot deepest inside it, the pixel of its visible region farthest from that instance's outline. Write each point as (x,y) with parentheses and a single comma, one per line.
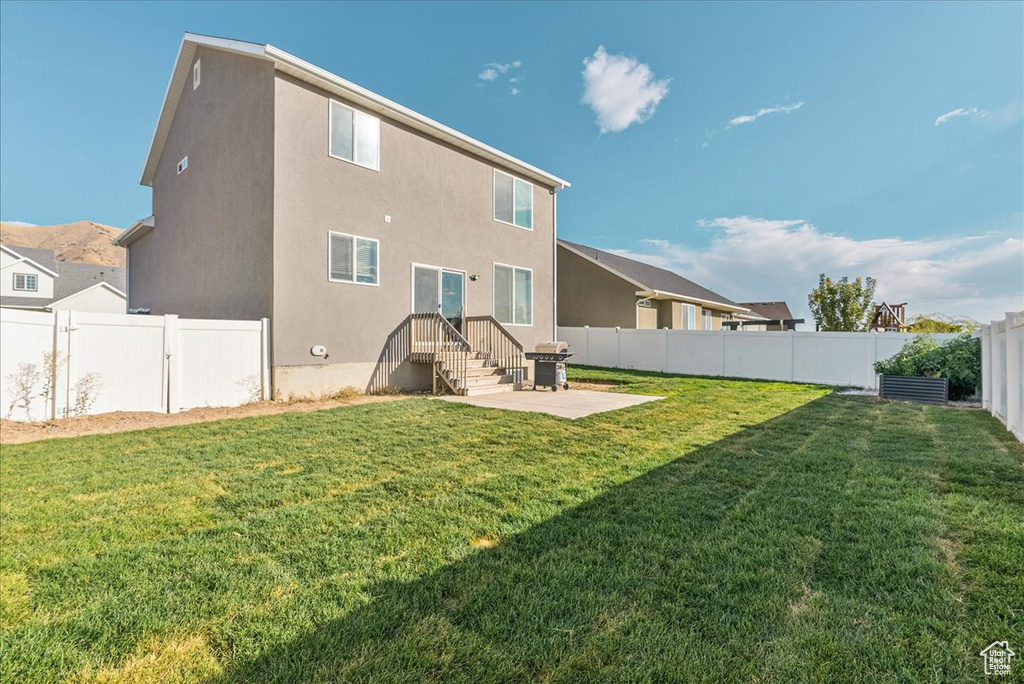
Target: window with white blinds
(355,136)
(513,295)
(353,259)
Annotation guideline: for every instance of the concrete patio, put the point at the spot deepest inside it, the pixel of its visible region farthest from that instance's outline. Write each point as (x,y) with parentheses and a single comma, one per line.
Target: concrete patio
(563,404)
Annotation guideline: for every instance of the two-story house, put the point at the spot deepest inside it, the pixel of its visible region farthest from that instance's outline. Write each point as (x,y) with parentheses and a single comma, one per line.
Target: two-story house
(386,248)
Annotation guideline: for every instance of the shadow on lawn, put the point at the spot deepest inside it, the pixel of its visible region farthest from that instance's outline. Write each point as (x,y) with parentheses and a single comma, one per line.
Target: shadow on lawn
(681,573)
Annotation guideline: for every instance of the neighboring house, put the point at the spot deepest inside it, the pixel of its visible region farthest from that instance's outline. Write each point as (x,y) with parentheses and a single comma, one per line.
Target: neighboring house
(33,279)
(602,289)
(766,316)
(889,318)
(283,191)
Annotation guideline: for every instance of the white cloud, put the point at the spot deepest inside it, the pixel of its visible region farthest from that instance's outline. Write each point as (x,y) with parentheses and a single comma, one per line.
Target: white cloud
(756,259)
(1000,117)
(973,111)
(21,224)
(493,70)
(621,90)
(748,118)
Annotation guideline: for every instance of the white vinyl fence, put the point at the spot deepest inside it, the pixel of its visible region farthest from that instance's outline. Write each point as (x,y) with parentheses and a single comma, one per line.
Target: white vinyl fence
(69,363)
(1002,371)
(830,358)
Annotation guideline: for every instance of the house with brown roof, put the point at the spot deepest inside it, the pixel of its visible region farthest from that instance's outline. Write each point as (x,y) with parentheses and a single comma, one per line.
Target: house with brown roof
(602,289)
(767,316)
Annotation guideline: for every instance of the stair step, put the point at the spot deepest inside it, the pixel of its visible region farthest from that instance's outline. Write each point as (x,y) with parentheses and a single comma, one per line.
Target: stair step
(489,389)
(485,380)
(484,371)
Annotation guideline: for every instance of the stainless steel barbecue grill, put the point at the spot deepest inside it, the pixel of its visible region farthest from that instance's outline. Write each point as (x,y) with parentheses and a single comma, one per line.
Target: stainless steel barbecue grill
(549,365)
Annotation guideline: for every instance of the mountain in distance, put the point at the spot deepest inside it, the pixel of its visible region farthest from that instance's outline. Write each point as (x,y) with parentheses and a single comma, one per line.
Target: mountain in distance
(86,242)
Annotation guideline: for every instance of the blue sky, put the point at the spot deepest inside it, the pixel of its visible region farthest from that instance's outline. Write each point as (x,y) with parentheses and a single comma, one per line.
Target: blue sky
(748,146)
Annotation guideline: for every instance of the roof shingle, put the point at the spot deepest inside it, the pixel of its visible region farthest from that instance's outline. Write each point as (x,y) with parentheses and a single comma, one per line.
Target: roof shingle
(650,277)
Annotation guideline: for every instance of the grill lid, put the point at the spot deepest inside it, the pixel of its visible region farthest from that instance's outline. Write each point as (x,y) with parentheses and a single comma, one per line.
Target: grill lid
(551,348)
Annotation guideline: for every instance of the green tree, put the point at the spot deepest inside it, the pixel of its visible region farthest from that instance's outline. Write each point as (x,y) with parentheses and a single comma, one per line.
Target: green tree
(842,305)
(937,323)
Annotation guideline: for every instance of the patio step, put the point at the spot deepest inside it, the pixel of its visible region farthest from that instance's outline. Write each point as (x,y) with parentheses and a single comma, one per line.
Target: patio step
(490,389)
(496,378)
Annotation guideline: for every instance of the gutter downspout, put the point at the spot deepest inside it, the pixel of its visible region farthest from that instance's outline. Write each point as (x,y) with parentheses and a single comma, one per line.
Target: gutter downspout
(554,263)
(637,308)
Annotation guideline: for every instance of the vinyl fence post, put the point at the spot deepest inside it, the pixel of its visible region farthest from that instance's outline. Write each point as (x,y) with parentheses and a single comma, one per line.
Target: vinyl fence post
(792,356)
(265,358)
(618,348)
(721,348)
(62,361)
(586,344)
(664,367)
(171,359)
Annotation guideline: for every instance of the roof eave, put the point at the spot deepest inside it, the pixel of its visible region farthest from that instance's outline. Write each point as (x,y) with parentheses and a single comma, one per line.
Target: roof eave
(22,257)
(135,231)
(288,63)
(721,306)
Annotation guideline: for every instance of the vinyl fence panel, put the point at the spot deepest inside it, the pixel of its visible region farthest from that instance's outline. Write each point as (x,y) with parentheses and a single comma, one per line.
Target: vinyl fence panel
(1002,371)
(27,336)
(115,362)
(119,362)
(828,358)
(219,362)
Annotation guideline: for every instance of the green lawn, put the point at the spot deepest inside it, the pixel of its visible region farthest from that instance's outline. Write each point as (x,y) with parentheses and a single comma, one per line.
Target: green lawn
(734,531)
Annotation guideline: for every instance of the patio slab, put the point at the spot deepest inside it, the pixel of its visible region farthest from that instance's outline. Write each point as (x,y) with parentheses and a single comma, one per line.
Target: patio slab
(564,404)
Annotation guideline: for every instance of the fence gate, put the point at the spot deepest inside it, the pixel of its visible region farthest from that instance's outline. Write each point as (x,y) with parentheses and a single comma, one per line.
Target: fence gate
(69,363)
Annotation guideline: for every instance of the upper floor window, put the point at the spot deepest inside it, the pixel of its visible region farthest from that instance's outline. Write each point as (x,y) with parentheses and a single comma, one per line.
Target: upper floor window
(195,75)
(355,136)
(513,295)
(26,282)
(513,200)
(353,259)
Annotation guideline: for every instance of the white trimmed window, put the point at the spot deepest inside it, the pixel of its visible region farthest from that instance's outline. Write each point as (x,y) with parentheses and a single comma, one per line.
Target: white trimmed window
(513,295)
(691,316)
(182,165)
(513,200)
(195,75)
(26,282)
(355,136)
(707,319)
(353,259)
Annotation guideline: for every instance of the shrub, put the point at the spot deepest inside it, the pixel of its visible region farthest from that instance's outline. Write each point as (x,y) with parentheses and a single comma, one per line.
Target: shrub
(959,360)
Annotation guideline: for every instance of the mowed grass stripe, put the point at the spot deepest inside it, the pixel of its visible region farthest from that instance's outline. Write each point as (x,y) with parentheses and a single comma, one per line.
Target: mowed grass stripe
(735,530)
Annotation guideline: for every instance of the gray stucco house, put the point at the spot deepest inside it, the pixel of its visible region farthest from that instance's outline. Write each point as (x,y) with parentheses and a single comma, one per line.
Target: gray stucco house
(387,249)
(603,289)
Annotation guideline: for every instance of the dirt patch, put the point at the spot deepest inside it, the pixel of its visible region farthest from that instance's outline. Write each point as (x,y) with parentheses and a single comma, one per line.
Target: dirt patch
(14,432)
(595,386)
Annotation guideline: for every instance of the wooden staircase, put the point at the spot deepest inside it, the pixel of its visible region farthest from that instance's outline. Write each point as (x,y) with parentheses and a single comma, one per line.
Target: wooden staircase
(487,360)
